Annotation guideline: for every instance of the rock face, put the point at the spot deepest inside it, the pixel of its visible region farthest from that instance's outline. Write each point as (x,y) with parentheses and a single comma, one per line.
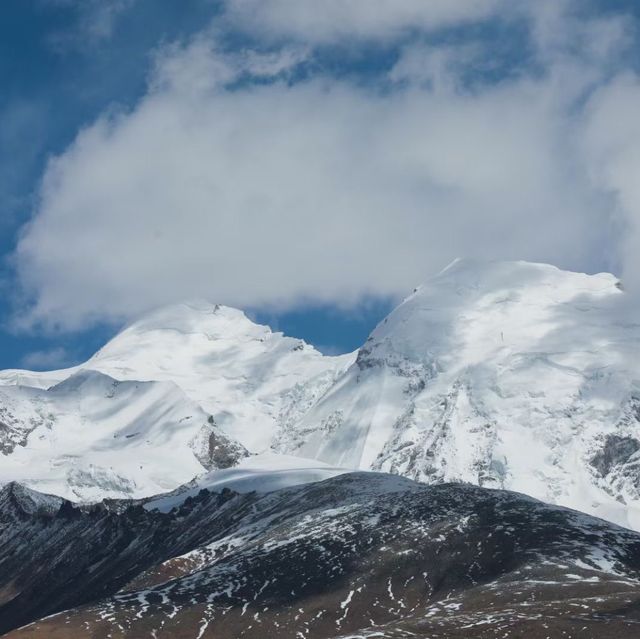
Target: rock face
(361,554)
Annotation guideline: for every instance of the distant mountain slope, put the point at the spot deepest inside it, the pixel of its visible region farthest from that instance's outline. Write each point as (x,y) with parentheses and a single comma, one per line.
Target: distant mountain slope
(504,374)
(91,437)
(362,554)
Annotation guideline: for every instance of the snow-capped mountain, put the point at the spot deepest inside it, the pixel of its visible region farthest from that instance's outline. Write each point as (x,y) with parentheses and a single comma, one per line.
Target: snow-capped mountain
(169,398)
(359,555)
(507,374)
(250,379)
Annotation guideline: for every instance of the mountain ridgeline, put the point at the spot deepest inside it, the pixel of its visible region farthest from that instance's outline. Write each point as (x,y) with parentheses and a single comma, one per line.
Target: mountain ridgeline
(507,375)
(360,554)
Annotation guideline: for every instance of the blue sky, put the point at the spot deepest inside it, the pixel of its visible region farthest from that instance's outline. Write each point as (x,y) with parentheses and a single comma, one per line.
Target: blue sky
(308,162)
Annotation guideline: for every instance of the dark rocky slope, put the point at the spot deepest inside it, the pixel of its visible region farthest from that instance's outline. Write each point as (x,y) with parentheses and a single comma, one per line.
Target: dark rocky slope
(359,555)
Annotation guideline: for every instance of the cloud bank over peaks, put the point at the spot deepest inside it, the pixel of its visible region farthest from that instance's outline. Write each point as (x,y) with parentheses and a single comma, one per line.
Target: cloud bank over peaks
(255,177)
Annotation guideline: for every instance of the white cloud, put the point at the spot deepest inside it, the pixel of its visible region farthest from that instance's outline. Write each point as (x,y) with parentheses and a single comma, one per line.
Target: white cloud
(562,28)
(233,182)
(612,150)
(330,20)
(438,68)
(200,68)
(277,193)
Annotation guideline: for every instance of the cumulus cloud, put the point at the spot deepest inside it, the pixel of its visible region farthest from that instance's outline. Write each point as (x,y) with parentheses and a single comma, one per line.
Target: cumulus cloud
(230,181)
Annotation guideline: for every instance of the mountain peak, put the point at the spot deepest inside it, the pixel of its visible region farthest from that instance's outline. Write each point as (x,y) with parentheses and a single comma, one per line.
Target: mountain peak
(24,500)
(516,274)
(475,304)
(197,316)
(241,373)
